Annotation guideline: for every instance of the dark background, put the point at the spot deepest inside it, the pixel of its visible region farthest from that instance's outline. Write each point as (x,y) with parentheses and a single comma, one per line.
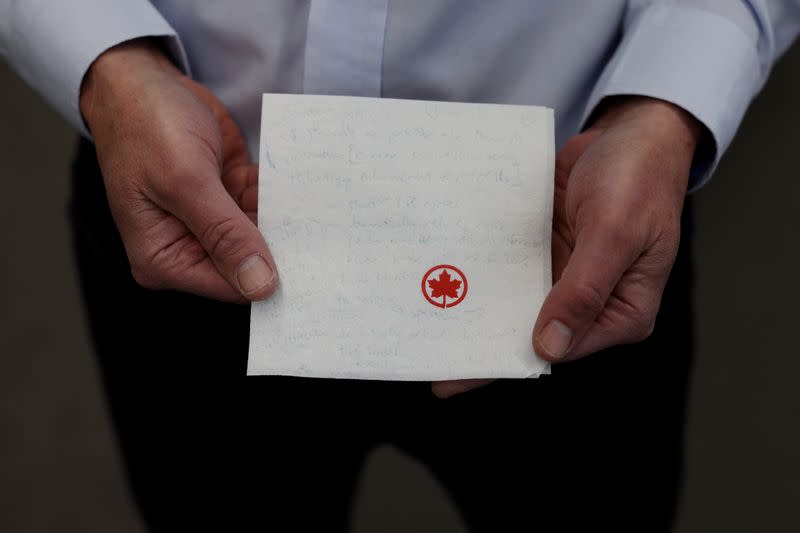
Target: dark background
(59,466)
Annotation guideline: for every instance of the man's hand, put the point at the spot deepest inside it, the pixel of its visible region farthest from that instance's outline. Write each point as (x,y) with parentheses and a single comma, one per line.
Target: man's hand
(619,194)
(180,184)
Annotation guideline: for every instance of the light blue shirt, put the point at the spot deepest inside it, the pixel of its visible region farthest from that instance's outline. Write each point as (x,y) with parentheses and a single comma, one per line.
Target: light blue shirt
(710,57)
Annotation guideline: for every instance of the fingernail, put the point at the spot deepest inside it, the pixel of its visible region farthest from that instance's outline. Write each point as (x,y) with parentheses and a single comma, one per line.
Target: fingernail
(555,339)
(254,274)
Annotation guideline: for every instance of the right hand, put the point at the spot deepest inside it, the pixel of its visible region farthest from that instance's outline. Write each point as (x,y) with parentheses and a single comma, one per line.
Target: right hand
(182,188)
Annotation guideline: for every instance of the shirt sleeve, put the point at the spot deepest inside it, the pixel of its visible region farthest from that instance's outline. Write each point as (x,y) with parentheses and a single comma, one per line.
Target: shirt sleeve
(710,57)
(52,43)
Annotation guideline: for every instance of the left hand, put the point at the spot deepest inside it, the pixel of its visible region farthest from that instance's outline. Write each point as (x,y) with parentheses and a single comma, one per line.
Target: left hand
(619,191)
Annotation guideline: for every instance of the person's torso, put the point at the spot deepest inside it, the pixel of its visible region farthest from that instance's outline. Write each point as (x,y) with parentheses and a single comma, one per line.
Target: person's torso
(546,52)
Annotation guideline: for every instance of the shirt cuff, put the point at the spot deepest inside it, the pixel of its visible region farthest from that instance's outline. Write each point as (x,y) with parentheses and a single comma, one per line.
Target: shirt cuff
(53,44)
(695,59)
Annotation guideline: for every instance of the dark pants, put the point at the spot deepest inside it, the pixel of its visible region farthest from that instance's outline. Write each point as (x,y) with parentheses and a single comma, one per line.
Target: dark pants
(596,444)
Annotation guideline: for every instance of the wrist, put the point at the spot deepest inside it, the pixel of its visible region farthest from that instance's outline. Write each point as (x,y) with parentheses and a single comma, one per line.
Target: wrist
(116,70)
(661,119)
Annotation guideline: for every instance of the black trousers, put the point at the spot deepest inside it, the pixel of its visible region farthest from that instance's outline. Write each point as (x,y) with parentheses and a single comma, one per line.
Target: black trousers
(596,444)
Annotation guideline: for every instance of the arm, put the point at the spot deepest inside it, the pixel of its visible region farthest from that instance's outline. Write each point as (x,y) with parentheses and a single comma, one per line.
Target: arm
(186,209)
(52,43)
(709,57)
(665,109)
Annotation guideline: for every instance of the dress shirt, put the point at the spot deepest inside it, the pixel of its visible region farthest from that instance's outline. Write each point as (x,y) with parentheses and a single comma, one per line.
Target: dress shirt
(711,57)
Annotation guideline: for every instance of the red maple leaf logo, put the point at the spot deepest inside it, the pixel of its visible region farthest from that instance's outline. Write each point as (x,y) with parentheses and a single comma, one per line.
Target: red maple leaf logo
(444,286)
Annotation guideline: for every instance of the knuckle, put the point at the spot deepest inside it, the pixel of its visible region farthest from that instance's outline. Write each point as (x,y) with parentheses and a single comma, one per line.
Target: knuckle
(144,277)
(181,183)
(587,300)
(147,267)
(642,327)
(172,261)
(618,231)
(562,167)
(223,238)
(178,178)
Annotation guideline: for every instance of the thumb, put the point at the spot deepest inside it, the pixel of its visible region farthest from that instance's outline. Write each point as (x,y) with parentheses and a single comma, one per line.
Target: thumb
(231,239)
(597,263)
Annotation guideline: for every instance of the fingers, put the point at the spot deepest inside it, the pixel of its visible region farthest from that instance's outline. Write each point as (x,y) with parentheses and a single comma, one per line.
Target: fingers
(445,389)
(197,240)
(164,254)
(625,324)
(231,239)
(241,182)
(601,256)
(196,232)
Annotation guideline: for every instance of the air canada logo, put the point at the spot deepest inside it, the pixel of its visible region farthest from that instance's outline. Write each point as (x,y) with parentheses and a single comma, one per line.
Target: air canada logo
(444,286)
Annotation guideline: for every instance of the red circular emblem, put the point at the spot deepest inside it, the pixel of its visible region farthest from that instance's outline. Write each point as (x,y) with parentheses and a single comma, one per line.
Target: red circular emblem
(444,286)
